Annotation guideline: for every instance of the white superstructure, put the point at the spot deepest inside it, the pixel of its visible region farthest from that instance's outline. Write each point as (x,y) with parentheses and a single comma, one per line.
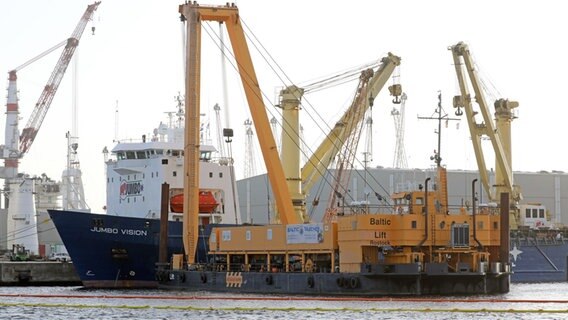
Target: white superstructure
(137,170)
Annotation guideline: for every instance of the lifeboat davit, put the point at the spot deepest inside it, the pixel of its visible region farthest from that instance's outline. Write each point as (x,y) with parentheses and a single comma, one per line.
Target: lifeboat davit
(207,202)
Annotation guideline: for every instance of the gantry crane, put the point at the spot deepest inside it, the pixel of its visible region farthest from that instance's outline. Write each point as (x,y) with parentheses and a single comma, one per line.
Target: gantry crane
(195,14)
(12,150)
(498,132)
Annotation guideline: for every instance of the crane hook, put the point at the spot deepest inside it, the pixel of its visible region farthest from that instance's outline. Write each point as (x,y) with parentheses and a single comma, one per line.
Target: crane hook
(459,111)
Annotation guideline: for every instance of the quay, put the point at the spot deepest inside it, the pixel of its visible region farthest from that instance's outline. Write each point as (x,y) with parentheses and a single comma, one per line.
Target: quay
(38,273)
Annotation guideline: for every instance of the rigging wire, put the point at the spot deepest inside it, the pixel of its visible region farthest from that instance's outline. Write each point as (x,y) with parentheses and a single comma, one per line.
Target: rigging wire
(307,101)
(264,95)
(310,105)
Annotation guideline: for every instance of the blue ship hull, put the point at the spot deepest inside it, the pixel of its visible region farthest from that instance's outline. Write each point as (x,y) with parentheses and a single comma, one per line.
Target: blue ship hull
(539,261)
(111,251)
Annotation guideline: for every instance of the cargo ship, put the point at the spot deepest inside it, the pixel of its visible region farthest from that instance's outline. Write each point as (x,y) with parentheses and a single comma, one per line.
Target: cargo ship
(119,248)
(414,244)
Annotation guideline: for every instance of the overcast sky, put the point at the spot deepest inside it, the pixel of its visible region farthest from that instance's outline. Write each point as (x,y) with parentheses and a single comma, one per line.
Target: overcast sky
(135,58)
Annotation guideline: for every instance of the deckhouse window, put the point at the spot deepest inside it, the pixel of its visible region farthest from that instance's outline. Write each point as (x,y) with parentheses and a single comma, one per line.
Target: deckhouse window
(541,213)
(130,155)
(140,154)
(175,153)
(159,151)
(205,156)
(120,156)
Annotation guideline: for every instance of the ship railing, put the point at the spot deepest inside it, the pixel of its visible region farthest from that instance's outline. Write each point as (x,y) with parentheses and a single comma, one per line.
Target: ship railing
(366,208)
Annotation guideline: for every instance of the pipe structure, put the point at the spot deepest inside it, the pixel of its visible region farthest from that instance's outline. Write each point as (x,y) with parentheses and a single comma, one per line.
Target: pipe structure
(479,245)
(425,213)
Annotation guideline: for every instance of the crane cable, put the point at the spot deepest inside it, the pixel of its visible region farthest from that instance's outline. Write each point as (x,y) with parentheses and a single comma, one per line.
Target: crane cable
(307,110)
(274,107)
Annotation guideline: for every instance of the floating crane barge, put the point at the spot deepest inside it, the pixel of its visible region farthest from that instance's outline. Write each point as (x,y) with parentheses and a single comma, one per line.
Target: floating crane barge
(418,245)
(417,249)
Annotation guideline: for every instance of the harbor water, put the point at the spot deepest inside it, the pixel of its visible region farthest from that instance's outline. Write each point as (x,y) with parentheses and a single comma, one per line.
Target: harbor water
(524,301)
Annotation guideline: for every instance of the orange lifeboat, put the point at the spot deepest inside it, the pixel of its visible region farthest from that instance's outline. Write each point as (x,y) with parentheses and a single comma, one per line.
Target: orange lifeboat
(207,202)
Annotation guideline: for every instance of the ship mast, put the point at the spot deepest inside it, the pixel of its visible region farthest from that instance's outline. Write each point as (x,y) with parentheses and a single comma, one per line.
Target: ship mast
(436,157)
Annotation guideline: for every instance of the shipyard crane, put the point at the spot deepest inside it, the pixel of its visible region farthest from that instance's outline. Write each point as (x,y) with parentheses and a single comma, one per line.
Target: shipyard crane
(250,164)
(399,150)
(498,132)
(11,152)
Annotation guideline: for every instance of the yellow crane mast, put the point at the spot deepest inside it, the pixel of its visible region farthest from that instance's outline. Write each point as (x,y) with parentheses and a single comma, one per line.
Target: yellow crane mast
(229,16)
(498,132)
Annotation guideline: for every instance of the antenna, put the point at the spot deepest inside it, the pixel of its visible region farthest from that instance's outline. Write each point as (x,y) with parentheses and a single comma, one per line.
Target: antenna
(436,157)
(116,122)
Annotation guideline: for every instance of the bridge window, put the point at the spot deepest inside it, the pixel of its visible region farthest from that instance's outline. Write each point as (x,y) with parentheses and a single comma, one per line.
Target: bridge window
(205,156)
(527,213)
(541,213)
(120,156)
(175,153)
(130,155)
(140,154)
(535,213)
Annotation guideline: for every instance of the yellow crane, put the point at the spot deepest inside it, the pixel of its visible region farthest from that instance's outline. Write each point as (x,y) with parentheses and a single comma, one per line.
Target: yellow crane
(229,16)
(300,181)
(498,132)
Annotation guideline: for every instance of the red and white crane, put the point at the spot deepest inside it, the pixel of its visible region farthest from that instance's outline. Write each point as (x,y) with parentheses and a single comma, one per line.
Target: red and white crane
(19,189)
(17,145)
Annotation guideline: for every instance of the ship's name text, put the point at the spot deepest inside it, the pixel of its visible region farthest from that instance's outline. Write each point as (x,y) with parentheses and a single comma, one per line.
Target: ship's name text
(126,232)
(379,222)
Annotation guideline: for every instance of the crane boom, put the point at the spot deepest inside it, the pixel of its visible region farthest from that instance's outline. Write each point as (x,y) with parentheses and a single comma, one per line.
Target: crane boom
(498,132)
(329,148)
(42,106)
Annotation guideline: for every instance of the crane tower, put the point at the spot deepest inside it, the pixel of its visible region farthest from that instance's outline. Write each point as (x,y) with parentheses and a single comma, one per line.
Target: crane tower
(19,188)
(399,150)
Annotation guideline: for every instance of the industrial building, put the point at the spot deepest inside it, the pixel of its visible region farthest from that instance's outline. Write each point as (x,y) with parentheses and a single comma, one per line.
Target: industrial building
(548,188)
